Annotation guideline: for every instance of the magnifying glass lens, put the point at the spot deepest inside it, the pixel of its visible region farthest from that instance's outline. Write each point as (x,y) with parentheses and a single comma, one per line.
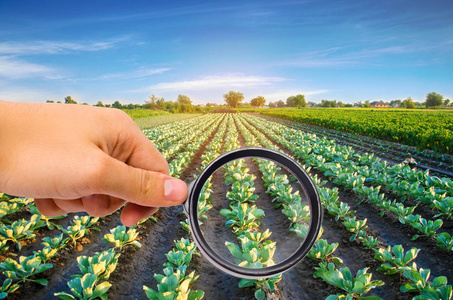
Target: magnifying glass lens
(254,213)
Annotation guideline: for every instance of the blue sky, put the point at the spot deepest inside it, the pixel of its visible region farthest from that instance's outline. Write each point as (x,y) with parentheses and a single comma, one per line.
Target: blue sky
(349,51)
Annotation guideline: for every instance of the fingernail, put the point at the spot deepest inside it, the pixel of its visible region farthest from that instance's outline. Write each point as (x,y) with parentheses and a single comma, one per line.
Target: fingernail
(169,186)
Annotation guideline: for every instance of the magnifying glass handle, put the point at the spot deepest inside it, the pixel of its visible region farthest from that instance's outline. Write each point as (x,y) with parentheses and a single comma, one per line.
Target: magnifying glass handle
(186,203)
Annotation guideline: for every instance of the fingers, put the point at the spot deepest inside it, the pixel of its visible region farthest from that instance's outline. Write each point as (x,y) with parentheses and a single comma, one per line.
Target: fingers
(94,205)
(132,213)
(101,205)
(145,188)
(47,207)
(69,205)
(146,156)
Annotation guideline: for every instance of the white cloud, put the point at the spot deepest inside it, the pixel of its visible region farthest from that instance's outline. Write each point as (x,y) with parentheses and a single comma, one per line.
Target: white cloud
(284,94)
(13,69)
(53,47)
(140,73)
(215,81)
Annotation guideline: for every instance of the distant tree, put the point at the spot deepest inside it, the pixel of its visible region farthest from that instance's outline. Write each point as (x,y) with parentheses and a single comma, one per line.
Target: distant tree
(272,104)
(296,101)
(340,104)
(280,103)
(69,100)
(433,99)
(117,104)
(408,103)
(312,104)
(328,103)
(50,101)
(258,101)
(233,99)
(446,102)
(152,99)
(396,103)
(59,102)
(130,106)
(84,103)
(99,104)
(246,105)
(183,99)
(168,105)
(153,102)
(160,102)
(367,104)
(348,105)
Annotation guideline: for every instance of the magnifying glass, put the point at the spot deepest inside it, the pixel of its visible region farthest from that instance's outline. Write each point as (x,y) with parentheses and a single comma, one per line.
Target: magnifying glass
(254,212)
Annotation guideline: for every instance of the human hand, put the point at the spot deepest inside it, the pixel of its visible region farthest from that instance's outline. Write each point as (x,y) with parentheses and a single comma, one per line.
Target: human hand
(73,158)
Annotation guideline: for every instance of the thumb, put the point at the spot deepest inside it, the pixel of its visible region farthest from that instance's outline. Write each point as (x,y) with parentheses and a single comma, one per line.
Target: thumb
(142,187)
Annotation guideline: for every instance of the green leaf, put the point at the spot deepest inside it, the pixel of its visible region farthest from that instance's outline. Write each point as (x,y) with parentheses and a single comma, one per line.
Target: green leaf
(260,294)
(247,283)
(439,281)
(101,289)
(234,249)
(41,281)
(416,236)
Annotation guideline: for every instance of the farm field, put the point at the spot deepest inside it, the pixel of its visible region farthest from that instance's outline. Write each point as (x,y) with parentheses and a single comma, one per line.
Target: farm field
(386,230)
(423,129)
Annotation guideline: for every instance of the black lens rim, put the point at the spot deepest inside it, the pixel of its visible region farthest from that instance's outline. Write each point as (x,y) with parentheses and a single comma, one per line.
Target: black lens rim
(191,204)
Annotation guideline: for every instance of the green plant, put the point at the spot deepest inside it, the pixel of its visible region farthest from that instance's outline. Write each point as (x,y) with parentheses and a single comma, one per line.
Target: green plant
(79,227)
(102,264)
(369,242)
(242,217)
(24,269)
(297,212)
(186,246)
(242,192)
(178,258)
(86,288)
(343,279)
(7,208)
(252,254)
(323,251)
(7,287)
(438,289)
(57,242)
(427,227)
(262,285)
(174,285)
(340,210)
(395,259)
(45,254)
(355,226)
(18,230)
(46,220)
(120,237)
(445,241)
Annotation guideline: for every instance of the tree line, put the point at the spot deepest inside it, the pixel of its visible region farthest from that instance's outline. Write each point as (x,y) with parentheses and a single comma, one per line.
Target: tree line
(233,99)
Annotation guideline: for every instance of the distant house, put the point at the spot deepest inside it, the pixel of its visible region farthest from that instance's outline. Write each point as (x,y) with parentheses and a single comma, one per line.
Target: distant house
(379,104)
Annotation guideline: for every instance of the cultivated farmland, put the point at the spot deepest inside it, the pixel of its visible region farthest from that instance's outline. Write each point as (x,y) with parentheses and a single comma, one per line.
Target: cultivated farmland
(386,231)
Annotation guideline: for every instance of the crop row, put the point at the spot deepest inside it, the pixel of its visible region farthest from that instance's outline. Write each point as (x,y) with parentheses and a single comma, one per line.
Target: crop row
(174,283)
(298,213)
(424,130)
(389,150)
(393,263)
(336,162)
